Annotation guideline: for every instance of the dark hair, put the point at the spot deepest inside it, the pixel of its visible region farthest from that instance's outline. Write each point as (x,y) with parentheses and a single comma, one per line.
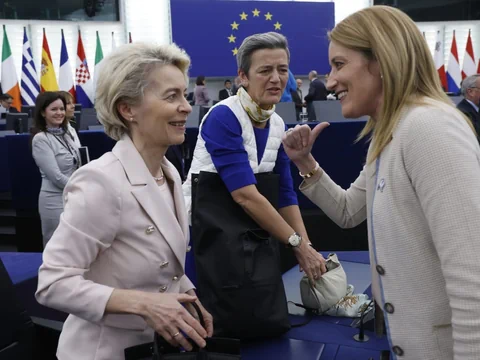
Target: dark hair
(200,80)
(4,97)
(227,81)
(43,101)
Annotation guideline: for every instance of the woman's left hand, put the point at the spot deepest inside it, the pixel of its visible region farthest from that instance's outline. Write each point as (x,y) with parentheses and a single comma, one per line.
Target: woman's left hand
(206,315)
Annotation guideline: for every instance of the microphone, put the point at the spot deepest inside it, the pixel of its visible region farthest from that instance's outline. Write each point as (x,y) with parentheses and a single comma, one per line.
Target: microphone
(361,337)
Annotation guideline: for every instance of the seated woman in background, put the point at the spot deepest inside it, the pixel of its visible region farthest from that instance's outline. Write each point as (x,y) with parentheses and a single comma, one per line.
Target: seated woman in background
(116,262)
(55,150)
(70,107)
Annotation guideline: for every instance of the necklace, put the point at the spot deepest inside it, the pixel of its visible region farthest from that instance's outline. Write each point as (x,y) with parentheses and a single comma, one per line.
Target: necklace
(159,178)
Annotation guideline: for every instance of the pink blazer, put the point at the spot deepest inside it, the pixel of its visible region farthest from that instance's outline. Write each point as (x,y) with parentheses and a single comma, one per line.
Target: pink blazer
(115,232)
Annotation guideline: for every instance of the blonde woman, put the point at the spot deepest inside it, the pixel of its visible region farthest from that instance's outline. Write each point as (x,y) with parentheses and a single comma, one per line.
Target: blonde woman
(418,189)
(116,261)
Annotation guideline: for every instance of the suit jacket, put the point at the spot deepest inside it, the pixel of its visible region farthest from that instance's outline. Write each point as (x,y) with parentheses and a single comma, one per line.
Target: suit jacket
(200,94)
(465,107)
(316,91)
(297,99)
(55,162)
(423,227)
(223,94)
(115,232)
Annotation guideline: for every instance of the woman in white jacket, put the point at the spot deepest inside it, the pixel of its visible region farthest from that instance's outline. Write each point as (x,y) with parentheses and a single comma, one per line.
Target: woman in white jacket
(418,190)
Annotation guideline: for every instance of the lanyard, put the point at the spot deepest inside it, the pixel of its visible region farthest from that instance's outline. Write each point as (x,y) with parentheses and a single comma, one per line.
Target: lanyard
(65,145)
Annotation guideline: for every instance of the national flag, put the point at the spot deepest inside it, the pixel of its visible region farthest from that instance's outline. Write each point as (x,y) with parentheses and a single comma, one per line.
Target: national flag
(240,19)
(9,74)
(48,80)
(454,76)
(98,59)
(83,80)
(469,66)
(439,60)
(29,87)
(114,44)
(66,76)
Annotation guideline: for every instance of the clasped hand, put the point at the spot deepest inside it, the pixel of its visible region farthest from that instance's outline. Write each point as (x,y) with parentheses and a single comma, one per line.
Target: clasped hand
(166,315)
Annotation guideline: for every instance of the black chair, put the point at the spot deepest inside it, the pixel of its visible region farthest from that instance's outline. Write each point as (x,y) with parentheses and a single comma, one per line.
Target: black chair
(76,122)
(28,109)
(22,337)
(18,122)
(16,327)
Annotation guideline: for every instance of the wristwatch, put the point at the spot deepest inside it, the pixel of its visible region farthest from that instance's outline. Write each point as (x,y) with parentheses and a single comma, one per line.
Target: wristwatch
(294,240)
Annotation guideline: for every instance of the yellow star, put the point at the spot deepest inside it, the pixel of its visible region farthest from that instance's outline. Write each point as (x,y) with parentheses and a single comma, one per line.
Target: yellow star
(235,51)
(231,39)
(278,26)
(234,26)
(256,13)
(268,16)
(243,16)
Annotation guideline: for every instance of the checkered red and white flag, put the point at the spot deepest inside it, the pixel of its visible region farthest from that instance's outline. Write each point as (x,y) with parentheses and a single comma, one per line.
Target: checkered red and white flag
(83,80)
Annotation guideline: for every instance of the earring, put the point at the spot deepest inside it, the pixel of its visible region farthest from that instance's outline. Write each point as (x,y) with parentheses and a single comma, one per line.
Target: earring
(381,76)
(131,119)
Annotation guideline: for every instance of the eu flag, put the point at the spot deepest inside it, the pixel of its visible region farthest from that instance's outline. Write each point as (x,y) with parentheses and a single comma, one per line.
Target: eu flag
(212,31)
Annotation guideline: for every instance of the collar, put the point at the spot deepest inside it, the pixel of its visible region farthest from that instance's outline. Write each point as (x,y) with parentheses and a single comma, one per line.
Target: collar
(473,104)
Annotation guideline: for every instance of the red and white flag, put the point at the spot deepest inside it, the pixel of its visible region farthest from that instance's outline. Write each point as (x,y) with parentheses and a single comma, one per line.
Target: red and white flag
(469,66)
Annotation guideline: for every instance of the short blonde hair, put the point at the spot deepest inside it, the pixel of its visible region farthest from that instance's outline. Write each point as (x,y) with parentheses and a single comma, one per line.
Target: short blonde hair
(389,36)
(123,77)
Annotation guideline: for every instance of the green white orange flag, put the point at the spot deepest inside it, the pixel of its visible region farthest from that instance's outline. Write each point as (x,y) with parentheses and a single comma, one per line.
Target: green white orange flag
(9,74)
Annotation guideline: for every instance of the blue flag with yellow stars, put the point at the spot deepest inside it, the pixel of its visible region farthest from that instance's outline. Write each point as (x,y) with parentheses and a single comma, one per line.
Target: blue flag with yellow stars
(212,31)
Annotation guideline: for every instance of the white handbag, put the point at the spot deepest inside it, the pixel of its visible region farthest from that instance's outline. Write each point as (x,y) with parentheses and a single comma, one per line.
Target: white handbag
(327,290)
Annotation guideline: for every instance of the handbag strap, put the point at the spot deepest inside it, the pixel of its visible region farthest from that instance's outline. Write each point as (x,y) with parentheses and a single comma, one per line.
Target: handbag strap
(308,311)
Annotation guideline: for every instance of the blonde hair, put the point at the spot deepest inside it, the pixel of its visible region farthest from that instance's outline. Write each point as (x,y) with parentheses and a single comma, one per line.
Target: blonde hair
(123,77)
(390,37)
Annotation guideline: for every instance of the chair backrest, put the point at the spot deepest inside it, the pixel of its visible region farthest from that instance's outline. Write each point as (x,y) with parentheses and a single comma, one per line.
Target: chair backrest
(331,111)
(96,127)
(78,107)
(16,327)
(286,110)
(193,118)
(28,109)
(19,122)
(4,133)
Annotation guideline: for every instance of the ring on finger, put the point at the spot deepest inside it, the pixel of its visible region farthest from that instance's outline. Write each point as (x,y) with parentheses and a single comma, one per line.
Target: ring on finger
(289,131)
(176,334)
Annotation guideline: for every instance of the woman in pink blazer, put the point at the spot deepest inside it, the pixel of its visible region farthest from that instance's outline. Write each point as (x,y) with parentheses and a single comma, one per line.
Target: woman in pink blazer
(116,261)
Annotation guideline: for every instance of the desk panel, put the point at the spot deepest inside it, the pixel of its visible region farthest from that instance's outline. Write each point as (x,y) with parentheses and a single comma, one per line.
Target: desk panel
(282,348)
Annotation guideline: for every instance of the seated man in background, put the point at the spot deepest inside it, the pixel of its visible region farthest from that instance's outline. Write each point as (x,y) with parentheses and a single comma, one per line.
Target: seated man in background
(469,105)
(227,92)
(6,101)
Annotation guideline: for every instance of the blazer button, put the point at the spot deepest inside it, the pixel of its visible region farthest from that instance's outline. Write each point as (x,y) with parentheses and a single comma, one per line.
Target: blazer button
(189,248)
(164,264)
(398,350)
(150,229)
(163,288)
(380,270)
(389,308)
(175,278)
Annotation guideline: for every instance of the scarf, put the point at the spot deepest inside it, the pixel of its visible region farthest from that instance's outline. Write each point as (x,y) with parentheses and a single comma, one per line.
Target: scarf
(255,112)
(56,131)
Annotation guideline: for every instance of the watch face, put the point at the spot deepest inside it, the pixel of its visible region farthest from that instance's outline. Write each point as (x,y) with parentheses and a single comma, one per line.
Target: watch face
(294,240)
